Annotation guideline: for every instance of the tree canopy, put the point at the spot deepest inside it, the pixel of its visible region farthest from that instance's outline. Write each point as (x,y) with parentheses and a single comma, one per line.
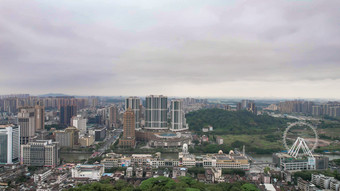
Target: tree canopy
(234,122)
(166,184)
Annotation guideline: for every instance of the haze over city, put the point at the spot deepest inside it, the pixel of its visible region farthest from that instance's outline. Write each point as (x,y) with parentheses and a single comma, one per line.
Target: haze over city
(284,48)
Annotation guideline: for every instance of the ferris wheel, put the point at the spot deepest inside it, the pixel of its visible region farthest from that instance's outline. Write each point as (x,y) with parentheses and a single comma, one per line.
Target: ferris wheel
(300,142)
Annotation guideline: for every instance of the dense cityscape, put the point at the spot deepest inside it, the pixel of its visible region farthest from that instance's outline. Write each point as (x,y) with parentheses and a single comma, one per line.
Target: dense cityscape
(67,142)
(170,95)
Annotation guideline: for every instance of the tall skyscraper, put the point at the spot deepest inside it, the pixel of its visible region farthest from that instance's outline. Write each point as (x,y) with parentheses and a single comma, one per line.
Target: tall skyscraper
(66,113)
(134,103)
(244,104)
(156,112)
(39,116)
(113,116)
(40,153)
(251,107)
(238,106)
(178,121)
(26,121)
(128,139)
(9,144)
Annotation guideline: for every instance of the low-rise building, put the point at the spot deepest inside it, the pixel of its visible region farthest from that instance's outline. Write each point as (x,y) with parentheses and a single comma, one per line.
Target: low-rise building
(91,172)
(222,160)
(205,129)
(325,182)
(42,175)
(205,138)
(209,176)
(286,162)
(179,171)
(219,140)
(129,172)
(139,172)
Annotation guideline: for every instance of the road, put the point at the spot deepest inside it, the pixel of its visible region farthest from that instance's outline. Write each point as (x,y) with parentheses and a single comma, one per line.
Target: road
(111,140)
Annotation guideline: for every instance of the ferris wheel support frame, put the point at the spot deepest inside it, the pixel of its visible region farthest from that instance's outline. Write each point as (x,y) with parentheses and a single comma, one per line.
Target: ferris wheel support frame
(300,142)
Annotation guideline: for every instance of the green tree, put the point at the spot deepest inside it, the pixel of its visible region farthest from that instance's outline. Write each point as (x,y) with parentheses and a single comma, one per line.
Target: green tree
(249,187)
(157,184)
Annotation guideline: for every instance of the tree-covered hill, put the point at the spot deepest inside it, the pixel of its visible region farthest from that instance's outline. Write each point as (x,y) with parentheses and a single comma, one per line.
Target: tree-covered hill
(234,122)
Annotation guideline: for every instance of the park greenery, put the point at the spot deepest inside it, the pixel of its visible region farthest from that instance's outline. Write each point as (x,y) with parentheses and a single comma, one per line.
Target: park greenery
(235,122)
(336,162)
(261,134)
(163,184)
(56,126)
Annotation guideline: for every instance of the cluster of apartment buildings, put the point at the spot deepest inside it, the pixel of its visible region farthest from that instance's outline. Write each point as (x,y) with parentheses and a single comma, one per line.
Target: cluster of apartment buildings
(12,103)
(308,107)
(319,181)
(331,109)
(248,105)
(154,125)
(35,153)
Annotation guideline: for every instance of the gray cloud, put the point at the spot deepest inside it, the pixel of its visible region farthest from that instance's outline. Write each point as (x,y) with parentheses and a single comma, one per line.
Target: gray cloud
(195,48)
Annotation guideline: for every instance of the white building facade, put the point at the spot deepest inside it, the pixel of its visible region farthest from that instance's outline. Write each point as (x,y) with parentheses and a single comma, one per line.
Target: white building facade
(9,144)
(91,172)
(178,121)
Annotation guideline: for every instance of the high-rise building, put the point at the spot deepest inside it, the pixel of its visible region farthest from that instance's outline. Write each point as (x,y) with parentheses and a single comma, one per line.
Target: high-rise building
(26,121)
(238,106)
(128,139)
(9,144)
(10,104)
(66,113)
(244,104)
(39,116)
(156,112)
(113,117)
(102,114)
(251,107)
(248,105)
(178,121)
(100,133)
(316,110)
(80,123)
(68,137)
(134,103)
(40,153)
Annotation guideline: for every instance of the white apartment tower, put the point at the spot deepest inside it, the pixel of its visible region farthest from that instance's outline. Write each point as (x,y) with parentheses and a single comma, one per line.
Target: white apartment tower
(178,121)
(9,144)
(80,123)
(156,112)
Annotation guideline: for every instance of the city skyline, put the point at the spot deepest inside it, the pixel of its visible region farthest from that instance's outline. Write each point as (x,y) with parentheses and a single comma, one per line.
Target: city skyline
(281,49)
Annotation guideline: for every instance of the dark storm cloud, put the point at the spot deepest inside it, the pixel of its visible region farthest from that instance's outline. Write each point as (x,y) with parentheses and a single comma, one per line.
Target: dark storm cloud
(215,48)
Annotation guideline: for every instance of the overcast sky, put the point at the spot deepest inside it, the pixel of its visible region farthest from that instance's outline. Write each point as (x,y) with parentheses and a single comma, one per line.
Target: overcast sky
(281,48)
